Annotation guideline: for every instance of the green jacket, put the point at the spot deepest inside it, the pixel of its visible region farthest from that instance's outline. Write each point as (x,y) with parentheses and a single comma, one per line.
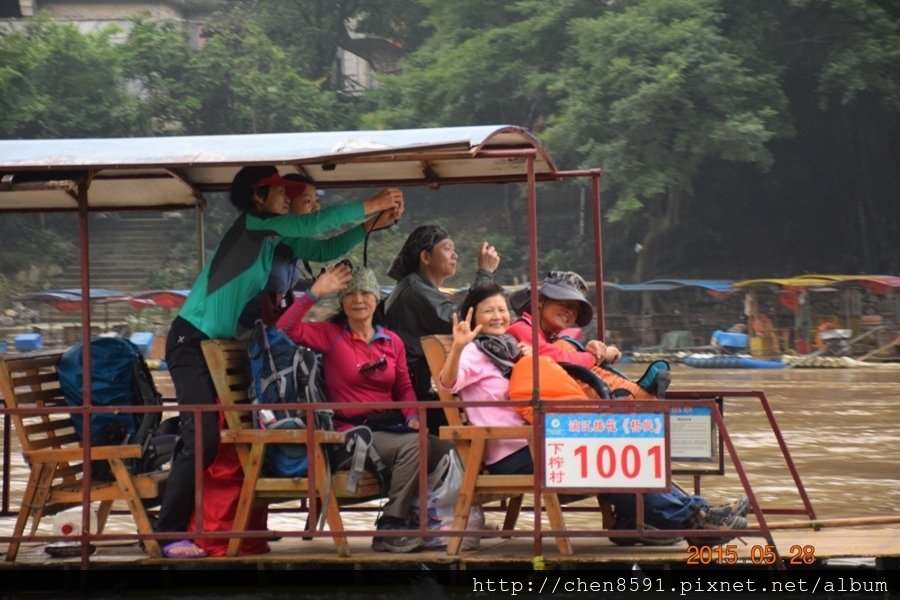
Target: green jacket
(240,267)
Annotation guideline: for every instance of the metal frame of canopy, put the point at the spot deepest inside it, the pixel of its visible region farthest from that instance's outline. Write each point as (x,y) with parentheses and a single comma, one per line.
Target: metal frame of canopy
(170,173)
(174,172)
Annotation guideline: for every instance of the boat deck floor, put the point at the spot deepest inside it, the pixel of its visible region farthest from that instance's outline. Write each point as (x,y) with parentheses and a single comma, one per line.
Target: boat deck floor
(832,545)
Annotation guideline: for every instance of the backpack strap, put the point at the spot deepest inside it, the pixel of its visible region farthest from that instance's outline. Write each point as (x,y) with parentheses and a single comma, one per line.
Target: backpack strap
(588,377)
(360,447)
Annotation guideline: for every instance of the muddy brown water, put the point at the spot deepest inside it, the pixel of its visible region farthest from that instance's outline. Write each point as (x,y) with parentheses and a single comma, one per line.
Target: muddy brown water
(841,426)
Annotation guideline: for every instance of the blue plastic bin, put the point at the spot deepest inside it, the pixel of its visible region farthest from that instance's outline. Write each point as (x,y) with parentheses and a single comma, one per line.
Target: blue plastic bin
(143,340)
(27,342)
(730,339)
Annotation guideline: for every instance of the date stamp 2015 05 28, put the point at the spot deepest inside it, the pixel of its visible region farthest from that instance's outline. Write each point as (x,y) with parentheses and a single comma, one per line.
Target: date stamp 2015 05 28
(759,555)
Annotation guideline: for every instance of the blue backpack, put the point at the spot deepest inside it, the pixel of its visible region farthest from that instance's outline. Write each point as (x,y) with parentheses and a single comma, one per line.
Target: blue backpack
(119,377)
(283,372)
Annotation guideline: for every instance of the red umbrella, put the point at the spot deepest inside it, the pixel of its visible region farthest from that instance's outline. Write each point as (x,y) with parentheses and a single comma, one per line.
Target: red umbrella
(161,298)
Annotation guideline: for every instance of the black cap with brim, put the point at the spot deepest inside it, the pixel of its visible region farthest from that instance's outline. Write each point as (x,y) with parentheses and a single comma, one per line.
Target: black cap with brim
(557,290)
(554,290)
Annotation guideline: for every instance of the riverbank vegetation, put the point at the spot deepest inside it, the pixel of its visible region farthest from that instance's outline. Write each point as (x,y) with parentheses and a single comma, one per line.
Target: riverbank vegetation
(738,139)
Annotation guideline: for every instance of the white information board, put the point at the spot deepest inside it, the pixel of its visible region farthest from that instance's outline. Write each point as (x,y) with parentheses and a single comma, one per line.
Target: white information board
(691,433)
(608,450)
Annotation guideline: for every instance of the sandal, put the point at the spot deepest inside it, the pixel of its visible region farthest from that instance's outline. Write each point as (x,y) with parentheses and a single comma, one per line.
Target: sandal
(183,549)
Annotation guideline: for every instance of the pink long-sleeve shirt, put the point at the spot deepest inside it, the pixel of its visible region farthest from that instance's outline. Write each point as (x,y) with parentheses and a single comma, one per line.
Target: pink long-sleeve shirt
(343,353)
(521,330)
(479,379)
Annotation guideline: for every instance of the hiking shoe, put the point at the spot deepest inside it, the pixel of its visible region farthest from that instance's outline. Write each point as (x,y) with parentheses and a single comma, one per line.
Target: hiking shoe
(739,508)
(400,544)
(705,518)
(640,540)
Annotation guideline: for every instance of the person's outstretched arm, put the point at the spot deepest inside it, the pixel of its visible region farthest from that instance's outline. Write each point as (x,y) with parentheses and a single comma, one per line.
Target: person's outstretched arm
(318,336)
(462,335)
(332,217)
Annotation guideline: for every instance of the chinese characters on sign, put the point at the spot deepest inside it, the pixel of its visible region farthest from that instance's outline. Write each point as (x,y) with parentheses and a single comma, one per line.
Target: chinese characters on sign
(625,450)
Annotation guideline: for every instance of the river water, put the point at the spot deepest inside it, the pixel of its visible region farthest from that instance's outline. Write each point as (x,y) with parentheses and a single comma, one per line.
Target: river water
(842,427)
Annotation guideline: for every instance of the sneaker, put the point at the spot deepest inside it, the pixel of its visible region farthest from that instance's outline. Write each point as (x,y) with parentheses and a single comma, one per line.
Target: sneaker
(639,540)
(705,518)
(739,507)
(400,544)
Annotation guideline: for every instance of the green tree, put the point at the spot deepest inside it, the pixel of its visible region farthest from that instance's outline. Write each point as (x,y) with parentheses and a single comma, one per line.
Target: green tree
(840,60)
(655,91)
(157,58)
(489,63)
(311,31)
(245,83)
(57,82)
(483,63)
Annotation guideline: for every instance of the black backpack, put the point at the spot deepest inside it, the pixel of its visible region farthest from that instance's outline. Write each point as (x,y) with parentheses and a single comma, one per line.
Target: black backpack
(119,377)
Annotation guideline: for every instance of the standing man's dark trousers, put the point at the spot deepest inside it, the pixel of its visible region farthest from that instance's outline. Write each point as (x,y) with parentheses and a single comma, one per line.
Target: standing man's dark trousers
(193,385)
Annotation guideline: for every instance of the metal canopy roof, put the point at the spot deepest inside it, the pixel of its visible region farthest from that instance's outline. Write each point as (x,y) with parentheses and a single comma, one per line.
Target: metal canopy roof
(173,172)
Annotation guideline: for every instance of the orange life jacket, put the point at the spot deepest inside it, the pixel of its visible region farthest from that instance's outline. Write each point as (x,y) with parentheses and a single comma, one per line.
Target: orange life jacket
(556,384)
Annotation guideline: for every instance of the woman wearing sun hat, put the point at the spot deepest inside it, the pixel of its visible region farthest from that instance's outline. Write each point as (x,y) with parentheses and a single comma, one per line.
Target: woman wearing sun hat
(562,303)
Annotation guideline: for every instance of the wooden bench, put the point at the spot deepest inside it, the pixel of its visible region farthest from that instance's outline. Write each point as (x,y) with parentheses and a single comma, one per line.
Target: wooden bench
(227,362)
(479,487)
(54,454)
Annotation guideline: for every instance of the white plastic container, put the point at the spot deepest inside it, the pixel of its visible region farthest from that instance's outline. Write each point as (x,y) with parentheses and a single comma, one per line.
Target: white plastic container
(68,522)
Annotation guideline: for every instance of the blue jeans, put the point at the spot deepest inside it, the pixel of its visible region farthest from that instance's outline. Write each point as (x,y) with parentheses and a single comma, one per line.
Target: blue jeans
(666,510)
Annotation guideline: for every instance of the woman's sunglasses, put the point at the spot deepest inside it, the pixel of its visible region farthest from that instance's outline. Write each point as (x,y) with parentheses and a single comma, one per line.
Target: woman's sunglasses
(371,366)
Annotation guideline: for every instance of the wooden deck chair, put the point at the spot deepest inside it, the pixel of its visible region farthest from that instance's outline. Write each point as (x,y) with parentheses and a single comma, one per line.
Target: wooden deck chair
(227,362)
(54,454)
(479,487)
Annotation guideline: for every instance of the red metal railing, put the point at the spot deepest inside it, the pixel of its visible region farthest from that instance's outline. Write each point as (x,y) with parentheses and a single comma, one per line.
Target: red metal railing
(677,399)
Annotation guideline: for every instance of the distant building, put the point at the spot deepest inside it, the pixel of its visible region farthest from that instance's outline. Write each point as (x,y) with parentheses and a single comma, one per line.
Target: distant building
(92,15)
(355,65)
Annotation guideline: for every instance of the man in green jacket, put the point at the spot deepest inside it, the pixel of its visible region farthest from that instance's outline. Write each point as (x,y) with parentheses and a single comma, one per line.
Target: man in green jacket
(238,271)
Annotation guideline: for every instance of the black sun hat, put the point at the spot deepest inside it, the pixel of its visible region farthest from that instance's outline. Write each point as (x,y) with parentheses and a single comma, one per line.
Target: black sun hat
(558,285)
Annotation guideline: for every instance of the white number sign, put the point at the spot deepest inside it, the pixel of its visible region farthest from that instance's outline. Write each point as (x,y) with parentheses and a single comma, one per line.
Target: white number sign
(609,450)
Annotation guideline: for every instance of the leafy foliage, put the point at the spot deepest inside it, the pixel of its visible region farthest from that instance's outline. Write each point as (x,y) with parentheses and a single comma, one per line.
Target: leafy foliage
(157,58)
(57,82)
(737,139)
(655,91)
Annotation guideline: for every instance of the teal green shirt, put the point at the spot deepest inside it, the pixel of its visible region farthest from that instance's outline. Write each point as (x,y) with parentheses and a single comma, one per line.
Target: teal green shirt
(240,267)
